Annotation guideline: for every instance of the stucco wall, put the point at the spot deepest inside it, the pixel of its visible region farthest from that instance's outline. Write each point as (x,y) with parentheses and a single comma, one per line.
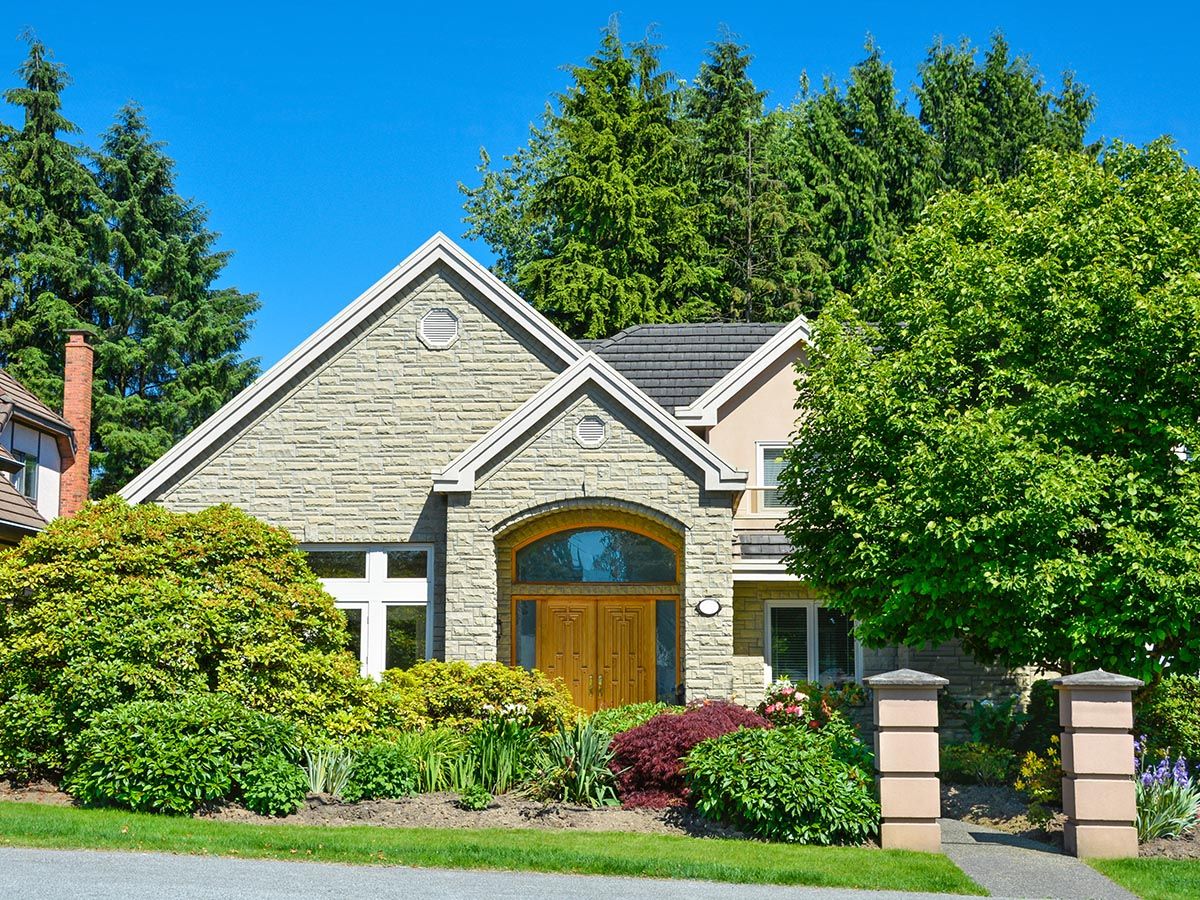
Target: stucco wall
(629,471)
(348,452)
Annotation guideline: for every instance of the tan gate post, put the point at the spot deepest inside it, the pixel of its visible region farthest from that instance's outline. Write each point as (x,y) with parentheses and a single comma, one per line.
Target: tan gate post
(906,756)
(1096,713)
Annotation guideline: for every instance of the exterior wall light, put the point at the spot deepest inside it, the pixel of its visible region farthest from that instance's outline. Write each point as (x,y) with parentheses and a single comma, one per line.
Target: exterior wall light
(708,607)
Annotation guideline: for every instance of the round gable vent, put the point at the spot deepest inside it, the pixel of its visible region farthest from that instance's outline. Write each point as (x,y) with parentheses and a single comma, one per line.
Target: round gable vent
(591,431)
(438,329)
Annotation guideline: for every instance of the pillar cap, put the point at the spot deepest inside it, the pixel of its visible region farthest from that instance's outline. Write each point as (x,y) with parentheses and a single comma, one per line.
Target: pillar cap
(1098,678)
(907,678)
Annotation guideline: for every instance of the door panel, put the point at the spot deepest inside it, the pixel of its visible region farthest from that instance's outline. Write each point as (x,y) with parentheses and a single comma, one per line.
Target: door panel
(625,662)
(566,646)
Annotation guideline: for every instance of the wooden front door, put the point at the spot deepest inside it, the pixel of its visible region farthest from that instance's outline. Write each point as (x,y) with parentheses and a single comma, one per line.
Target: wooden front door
(603,648)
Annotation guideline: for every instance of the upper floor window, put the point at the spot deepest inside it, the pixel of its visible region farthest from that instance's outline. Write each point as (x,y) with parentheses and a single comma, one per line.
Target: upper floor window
(25,479)
(596,554)
(770,463)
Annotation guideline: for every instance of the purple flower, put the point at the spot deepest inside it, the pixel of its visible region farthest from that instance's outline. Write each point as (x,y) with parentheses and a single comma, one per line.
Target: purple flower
(1180,772)
(1147,779)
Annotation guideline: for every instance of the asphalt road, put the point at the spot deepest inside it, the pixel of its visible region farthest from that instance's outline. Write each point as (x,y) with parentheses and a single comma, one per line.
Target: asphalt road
(92,875)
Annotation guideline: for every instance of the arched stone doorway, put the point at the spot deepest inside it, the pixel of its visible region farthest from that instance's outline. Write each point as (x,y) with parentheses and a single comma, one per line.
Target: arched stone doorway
(592,596)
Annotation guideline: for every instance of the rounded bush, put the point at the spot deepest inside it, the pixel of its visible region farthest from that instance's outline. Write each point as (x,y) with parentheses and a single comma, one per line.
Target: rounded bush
(273,785)
(647,759)
(792,783)
(1168,714)
(617,719)
(381,772)
(171,755)
(122,603)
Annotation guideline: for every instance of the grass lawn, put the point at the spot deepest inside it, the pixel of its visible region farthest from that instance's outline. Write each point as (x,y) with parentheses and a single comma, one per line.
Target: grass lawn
(1153,877)
(595,853)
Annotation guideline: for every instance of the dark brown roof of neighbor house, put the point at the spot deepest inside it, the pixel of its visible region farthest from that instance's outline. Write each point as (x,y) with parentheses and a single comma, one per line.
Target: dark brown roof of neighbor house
(675,364)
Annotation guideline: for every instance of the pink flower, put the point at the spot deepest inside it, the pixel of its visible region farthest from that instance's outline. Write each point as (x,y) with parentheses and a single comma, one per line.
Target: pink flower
(792,710)
(787,691)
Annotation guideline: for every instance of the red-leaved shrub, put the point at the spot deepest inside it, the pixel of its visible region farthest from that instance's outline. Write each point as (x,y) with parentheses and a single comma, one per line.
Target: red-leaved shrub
(647,759)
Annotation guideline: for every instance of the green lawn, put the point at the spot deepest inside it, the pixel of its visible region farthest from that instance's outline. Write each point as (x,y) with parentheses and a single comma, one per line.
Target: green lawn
(1154,878)
(597,853)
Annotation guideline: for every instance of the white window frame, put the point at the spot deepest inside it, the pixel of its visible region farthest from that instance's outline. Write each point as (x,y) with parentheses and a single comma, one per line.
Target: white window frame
(761,487)
(374,593)
(812,606)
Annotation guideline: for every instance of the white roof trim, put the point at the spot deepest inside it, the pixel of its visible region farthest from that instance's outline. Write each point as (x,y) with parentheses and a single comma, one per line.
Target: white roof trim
(438,248)
(761,570)
(704,410)
(589,369)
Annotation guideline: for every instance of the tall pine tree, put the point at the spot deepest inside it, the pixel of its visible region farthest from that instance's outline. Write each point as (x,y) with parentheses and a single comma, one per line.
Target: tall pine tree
(609,219)
(170,352)
(52,230)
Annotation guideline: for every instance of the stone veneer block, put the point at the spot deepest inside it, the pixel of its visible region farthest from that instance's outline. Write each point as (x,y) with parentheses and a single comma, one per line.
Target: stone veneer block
(908,750)
(1100,841)
(1097,752)
(1104,708)
(915,796)
(1099,800)
(900,707)
(925,837)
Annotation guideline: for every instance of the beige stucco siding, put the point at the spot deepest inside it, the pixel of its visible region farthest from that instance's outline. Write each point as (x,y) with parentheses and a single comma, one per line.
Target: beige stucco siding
(347,454)
(550,471)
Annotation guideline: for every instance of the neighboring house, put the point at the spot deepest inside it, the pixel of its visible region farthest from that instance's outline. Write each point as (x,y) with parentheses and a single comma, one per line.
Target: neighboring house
(473,484)
(43,462)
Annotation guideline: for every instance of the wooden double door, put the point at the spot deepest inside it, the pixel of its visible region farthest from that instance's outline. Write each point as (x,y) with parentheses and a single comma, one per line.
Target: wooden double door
(602,647)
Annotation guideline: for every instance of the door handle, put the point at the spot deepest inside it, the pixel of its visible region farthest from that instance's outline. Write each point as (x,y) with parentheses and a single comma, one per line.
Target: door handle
(601,684)
(591,684)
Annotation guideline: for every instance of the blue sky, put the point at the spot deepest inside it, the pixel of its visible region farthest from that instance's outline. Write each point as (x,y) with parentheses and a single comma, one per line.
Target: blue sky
(327,140)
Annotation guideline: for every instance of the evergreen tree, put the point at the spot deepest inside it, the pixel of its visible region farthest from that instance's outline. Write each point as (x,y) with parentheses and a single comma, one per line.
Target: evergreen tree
(170,352)
(52,230)
(608,222)
(767,271)
(987,116)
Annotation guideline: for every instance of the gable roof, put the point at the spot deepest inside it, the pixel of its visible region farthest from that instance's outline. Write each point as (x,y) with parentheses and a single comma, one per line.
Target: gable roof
(677,363)
(705,408)
(590,369)
(32,411)
(438,249)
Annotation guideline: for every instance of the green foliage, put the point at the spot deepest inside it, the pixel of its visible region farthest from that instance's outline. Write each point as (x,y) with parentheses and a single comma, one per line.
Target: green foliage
(808,703)
(792,784)
(381,771)
(273,785)
(996,723)
(617,719)
(1168,797)
(122,603)
(172,755)
(574,766)
(974,763)
(475,798)
(441,758)
(328,769)
(1040,778)
(104,242)
(992,449)
(502,750)
(1041,726)
(461,695)
(1168,713)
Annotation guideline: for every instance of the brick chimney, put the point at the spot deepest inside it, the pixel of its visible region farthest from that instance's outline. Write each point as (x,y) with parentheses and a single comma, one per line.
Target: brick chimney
(77,410)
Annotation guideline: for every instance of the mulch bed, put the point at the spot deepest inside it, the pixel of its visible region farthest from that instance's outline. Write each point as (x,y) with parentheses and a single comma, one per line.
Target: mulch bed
(1185,847)
(999,807)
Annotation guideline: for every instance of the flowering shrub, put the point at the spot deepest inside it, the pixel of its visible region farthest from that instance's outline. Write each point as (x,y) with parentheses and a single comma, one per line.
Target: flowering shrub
(793,783)
(1040,782)
(1168,798)
(647,759)
(806,702)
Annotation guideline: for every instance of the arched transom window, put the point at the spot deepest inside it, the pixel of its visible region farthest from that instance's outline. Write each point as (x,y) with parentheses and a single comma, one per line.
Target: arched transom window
(596,554)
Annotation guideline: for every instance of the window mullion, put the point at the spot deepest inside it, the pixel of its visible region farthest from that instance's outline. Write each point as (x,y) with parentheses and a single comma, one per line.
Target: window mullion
(813,645)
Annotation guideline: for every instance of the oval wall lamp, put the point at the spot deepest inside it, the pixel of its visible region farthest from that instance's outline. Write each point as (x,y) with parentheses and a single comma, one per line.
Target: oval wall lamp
(708,607)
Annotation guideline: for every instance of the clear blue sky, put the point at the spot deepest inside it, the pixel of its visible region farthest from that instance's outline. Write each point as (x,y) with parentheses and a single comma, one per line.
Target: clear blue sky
(327,140)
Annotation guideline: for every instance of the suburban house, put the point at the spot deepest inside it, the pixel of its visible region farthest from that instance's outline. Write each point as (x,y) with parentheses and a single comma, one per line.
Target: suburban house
(44,456)
(471,483)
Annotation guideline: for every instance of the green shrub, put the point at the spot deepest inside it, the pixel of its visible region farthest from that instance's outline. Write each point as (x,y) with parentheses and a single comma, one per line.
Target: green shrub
(791,783)
(459,695)
(1168,714)
(381,772)
(475,798)
(997,723)
(273,785)
(616,719)
(502,751)
(171,755)
(441,757)
(1041,726)
(575,766)
(975,763)
(1040,781)
(122,603)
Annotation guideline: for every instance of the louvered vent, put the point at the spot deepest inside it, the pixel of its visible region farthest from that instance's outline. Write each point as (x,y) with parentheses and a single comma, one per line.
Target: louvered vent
(590,431)
(438,329)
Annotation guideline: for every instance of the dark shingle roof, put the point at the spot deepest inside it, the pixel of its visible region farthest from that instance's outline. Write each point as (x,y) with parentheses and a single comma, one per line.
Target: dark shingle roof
(16,511)
(675,364)
(25,401)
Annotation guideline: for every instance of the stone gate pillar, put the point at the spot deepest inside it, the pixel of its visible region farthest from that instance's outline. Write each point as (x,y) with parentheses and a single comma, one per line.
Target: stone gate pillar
(1096,714)
(907,758)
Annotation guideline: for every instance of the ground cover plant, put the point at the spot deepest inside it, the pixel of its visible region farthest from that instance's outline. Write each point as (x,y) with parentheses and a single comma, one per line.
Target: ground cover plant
(613,853)
(648,759)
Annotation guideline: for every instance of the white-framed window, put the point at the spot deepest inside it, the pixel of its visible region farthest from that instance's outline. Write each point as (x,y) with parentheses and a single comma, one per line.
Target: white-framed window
(385,591)
(807,641)
(25,479)
(770,464)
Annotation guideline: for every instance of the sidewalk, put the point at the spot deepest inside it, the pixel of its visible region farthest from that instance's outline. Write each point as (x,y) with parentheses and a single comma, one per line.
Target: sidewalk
(1012,866)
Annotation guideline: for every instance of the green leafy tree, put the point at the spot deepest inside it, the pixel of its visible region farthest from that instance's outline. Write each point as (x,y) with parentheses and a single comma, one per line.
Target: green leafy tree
(996,446)
(986,116)
(598,223)
(170,343)
(52,229)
